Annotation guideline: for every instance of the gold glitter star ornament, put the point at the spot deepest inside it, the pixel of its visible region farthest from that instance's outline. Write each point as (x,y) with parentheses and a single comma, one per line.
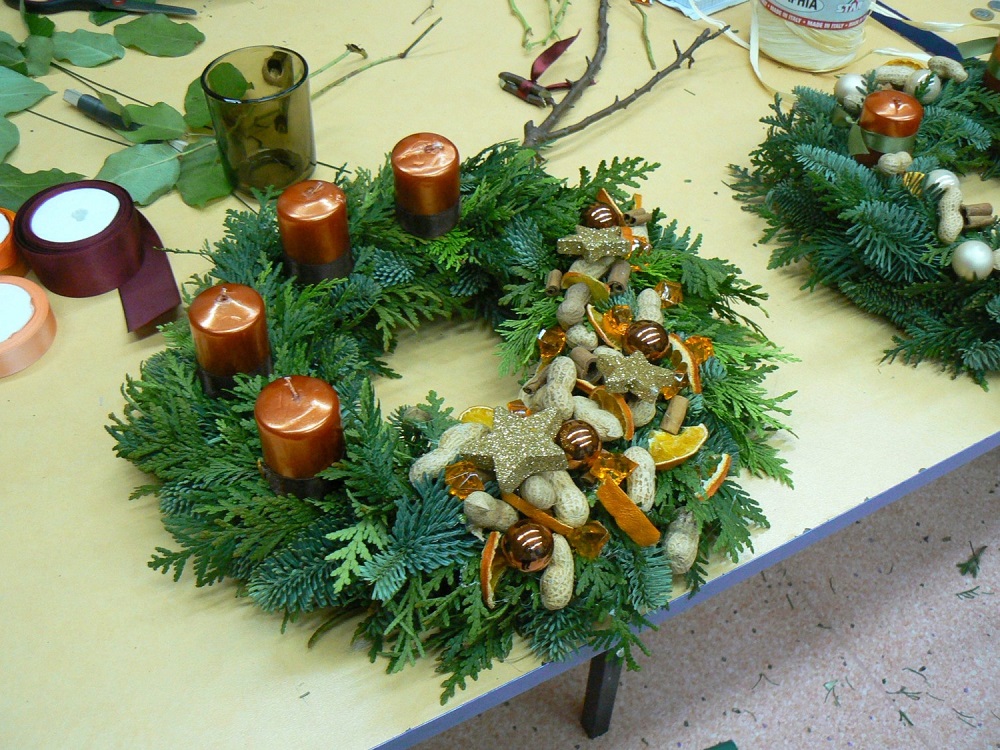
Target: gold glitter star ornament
(634,374)
(594,244)
(518,447)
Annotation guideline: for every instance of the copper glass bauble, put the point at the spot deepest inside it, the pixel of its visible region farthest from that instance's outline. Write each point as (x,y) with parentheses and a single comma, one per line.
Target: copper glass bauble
(647,337)
(527,546)
(580,441)
(599,216)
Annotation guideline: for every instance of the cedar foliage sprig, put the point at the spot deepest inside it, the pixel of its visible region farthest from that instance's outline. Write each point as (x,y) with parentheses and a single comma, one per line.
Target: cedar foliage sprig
(873,238)
(377,544)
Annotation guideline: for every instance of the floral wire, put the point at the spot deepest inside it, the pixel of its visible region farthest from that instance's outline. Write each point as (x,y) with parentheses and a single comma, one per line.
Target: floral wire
(95,85)
(74,127)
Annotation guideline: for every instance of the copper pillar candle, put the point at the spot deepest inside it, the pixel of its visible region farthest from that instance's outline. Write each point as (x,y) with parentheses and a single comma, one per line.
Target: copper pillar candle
(426,171)
(298,418)
(991,76)
(312,220)
(229,329)
(889,123)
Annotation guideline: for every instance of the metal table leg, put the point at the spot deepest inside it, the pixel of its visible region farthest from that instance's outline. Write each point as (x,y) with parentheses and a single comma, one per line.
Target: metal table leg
(602,686)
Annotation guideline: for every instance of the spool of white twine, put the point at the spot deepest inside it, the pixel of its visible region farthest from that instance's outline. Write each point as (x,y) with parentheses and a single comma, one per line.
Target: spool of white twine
(814,35)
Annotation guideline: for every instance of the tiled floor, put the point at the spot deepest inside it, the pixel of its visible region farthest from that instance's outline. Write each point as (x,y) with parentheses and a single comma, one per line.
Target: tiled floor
(870,639)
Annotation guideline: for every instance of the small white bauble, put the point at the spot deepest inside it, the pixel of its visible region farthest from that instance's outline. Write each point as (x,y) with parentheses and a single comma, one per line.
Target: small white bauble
(847,84)
(942,179)
(972,260)
(917,77)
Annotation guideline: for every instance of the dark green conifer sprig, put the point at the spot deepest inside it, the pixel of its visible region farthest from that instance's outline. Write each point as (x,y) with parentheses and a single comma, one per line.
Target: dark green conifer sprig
(872,236)
(377,544)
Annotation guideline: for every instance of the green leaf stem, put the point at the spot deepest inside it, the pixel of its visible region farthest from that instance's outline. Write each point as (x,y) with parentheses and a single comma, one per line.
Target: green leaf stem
(146,171)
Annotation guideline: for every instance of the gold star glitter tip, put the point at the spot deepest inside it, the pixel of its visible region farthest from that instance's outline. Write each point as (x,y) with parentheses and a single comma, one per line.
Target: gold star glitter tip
(594,244)
(634,374)
(518,447)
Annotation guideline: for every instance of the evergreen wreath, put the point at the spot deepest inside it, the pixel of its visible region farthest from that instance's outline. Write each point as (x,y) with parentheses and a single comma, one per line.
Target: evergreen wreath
(875,237)
(400,553)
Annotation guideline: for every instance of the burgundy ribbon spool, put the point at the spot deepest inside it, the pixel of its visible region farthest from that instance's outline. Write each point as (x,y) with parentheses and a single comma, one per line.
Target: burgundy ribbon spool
(126,255)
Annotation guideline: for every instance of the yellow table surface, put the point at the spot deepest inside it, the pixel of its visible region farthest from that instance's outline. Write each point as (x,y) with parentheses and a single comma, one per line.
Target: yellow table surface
(98,651)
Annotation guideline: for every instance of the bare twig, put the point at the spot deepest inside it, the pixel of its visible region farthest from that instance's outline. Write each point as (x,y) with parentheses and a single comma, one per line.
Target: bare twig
(537,136)
(373,63)
(350,49)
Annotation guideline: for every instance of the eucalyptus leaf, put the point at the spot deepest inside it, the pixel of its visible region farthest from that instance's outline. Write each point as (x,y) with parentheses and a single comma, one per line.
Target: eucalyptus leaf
(6,38)
(226,80)
(196,106)
(113,105)
(146,171)
(12,57)
(88,49)
(39,25)
(101,17)
(202,177)
(19,92)
(157,35)
(161,122)
(37,55)
(17,186)
(9,137)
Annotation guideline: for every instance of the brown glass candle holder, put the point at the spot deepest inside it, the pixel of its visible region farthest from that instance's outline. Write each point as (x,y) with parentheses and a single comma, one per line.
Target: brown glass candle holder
(258,99)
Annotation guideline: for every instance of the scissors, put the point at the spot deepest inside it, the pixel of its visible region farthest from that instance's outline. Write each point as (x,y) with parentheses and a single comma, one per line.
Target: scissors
(126,6)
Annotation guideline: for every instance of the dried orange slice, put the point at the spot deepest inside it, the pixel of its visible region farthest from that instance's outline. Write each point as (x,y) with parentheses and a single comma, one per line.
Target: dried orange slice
(491,567)
(670,450)
(611,338)
(584,386)
(537,514)
(615,403)
(688,358)
(627,514)
(478,414)
(711,485)
(599,291)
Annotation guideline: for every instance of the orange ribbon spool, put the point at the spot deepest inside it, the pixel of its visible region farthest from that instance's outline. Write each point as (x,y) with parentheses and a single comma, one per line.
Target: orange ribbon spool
(11,263)
(25,345)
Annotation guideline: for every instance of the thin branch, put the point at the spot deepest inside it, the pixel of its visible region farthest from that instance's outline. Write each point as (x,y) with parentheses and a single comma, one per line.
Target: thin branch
(537,136)
(351,49)
(398,56)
